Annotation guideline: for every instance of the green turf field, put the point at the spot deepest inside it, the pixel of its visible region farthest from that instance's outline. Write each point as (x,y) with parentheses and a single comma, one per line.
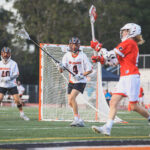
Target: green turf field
(15,130)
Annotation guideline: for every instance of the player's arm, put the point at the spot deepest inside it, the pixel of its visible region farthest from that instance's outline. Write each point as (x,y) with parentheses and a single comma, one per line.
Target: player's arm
(105,57)
(87,73)
(62,65)
(87,66)
(15,72)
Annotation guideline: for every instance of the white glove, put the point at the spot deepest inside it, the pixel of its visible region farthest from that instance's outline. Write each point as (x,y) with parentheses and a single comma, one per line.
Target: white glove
(79,76)
(104,53)
(60,66)
(5,79)
(112,59)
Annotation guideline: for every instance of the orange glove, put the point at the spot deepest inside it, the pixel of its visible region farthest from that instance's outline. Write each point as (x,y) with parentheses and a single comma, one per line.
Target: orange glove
(96,45)
(96,59)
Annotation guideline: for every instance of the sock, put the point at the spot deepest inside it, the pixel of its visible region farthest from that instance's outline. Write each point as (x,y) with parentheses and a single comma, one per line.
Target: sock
(21,113)
(76,117)
(110,123)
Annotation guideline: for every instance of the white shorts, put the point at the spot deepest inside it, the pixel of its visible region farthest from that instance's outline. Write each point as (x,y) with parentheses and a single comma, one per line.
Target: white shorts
(128,86)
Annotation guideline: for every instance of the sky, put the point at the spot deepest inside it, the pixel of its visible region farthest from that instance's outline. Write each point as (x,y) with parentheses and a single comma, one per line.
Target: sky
(8,5)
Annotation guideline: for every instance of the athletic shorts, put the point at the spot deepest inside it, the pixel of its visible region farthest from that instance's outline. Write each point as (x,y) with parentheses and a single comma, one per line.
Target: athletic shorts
(78,86)
(11,91)
(128,86)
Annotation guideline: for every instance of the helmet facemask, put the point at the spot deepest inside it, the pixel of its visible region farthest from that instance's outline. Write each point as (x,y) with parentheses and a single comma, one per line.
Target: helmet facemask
(124,34)
(133,30)
(5,54)
(74,44)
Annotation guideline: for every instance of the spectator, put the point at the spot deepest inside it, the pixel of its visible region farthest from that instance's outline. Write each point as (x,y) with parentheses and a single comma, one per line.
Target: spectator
(108,96)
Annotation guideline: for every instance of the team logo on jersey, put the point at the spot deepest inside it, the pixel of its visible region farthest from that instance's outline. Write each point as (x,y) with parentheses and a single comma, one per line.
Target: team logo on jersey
(120,48)
(74,63)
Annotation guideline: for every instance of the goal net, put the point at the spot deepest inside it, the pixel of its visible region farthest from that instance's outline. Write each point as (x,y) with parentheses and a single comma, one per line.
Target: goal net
(53,104)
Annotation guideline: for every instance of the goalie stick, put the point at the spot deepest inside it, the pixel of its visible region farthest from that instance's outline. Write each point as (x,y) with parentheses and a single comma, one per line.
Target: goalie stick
(24,34)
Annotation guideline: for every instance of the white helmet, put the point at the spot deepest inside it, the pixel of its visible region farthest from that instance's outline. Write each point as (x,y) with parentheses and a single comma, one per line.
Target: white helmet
(134,30)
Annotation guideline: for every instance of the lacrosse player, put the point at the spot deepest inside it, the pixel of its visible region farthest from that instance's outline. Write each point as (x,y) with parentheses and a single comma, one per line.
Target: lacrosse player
(8,74)
(20,88)
(77,62)
(126,54)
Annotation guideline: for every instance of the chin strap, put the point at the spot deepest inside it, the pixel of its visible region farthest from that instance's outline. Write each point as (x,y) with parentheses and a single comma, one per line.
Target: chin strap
(5,61)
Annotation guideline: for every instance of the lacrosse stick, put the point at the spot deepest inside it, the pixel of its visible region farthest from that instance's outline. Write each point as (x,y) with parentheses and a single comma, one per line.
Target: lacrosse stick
(93,16)
(24,35)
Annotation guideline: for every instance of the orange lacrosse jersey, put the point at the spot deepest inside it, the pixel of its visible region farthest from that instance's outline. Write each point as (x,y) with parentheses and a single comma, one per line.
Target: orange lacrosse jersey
(128,54)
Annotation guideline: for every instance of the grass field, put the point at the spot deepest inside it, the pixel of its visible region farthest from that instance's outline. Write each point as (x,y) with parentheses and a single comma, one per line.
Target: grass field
(15,130)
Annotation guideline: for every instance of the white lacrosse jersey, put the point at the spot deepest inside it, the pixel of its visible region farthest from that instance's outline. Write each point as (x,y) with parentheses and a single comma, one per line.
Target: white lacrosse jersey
(21,89)
(10,69)
(78,64)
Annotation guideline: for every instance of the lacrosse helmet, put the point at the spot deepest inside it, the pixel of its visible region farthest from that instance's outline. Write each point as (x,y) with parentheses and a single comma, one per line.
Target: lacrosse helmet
(5,54)
(133,29)
(74,44)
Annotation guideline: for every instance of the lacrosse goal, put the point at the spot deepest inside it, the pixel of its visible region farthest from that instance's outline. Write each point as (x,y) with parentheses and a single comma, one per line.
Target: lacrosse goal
(53,103)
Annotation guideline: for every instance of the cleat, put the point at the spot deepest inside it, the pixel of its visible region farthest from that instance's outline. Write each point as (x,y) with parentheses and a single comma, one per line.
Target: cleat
(77,123)
(24,117)
(102,130)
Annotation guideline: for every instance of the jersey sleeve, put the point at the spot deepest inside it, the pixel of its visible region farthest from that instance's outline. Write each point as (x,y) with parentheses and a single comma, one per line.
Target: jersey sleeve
(121,49)
(87,65)
(15,71)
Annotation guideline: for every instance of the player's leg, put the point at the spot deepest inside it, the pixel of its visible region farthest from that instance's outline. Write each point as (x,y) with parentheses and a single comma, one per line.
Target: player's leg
(2,93)
(72,101)
(73,91)
(14,93)
(1,97)
(133,92)
(140,109)
(115,99)
(113,105)
(106,128)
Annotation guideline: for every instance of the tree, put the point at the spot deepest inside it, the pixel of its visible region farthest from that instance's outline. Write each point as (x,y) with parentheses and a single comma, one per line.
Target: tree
(5,37)
(55,21)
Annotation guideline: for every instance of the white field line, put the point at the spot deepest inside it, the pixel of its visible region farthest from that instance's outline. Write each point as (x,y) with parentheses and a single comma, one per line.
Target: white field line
(17,129)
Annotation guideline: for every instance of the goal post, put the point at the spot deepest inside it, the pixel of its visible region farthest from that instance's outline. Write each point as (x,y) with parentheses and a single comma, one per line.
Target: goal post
(53,104)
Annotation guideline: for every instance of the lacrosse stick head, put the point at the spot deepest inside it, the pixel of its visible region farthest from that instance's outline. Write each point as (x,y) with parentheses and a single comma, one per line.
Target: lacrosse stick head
(23,34)
(92,14)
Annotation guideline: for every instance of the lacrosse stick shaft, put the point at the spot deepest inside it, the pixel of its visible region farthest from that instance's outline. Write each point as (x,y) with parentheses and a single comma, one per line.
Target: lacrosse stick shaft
(93,16)
(93,32)
(51,56)
(93,36)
